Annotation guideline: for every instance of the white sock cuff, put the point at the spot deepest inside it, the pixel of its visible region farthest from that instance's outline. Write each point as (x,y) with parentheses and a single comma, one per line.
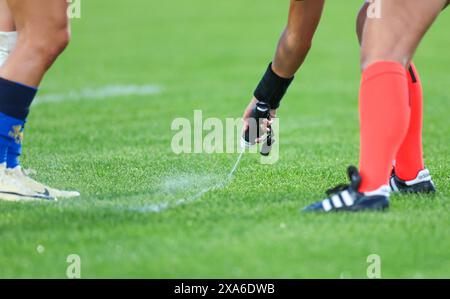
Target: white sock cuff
(384,190)
(8,40)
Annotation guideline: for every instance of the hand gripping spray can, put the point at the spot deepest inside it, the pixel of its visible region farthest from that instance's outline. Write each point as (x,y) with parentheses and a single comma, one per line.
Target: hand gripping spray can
(260,113)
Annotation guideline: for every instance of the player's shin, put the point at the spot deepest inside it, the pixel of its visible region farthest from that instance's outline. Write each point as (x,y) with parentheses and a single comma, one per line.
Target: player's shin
(15,102)
(409,159)
(384,119)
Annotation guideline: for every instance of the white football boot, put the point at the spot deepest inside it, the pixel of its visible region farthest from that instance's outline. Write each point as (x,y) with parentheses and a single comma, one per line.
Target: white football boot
(19,175)
(13,190)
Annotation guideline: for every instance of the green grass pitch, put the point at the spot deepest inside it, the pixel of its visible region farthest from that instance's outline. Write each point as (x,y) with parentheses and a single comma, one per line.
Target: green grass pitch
(209,55)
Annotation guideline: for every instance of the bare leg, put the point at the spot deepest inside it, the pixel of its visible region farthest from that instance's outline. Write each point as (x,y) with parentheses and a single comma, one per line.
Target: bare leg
(396,35)
(43,34)
(6,20)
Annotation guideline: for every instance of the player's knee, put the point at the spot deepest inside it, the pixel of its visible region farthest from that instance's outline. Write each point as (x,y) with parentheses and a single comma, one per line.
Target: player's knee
(370,57)
(64,40)
(47,48)
(58,43)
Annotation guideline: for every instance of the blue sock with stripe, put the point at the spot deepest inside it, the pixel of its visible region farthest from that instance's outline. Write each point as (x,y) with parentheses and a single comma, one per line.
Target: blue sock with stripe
(11,136)
(15,102)
(15,148)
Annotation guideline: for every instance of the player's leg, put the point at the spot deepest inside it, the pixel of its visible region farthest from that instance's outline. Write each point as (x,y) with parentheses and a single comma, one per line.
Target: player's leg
(292,49)
(8,34)
(388,46)
(43,34)
(8,40)
(410,174)
(43,29)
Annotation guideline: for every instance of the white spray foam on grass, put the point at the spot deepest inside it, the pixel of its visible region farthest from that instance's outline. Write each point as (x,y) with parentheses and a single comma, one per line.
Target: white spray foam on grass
(183,182)
(99,93)
(162,206)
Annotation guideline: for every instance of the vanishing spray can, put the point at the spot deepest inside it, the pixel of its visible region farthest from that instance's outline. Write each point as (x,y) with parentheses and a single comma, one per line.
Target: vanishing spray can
(256,119)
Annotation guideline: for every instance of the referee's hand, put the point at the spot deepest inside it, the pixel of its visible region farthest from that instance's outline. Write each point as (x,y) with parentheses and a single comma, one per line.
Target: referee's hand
(265,124)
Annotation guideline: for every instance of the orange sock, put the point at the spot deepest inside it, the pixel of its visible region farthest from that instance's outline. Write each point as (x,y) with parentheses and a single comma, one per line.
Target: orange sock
(409,160)
(384,118)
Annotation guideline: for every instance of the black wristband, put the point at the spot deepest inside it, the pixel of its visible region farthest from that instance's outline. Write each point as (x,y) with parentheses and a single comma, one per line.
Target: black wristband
(272,88)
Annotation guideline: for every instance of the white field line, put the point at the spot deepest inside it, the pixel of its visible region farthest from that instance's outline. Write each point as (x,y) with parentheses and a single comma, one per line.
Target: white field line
(100,93)
(162,206)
